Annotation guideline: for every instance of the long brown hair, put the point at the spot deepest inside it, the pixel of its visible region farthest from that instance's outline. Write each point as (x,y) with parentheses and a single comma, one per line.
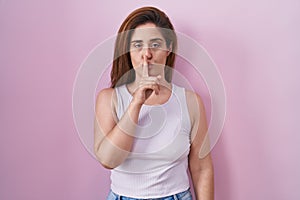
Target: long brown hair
(122,61)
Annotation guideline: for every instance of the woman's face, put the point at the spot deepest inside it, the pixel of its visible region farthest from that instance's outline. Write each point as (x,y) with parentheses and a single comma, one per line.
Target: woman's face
(147,42)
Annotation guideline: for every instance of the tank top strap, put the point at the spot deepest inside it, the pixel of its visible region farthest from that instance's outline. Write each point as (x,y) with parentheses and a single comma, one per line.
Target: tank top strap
(180,93)
(123,99)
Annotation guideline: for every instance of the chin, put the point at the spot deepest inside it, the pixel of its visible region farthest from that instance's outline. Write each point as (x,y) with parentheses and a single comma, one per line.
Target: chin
(155,73)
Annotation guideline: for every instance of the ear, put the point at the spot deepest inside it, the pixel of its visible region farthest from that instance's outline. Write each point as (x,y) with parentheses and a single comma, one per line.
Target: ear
(170,48)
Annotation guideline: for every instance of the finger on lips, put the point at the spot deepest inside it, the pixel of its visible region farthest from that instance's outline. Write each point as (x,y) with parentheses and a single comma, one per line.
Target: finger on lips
(149,82)
(145,67)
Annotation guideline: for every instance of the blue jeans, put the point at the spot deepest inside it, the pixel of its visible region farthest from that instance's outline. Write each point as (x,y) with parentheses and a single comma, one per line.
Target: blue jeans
(186,195)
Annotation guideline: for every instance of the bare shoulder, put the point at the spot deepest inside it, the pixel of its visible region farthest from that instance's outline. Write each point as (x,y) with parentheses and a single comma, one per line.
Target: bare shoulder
(193,99)
(195,105)
(106,97)
(105,93)
(197,114)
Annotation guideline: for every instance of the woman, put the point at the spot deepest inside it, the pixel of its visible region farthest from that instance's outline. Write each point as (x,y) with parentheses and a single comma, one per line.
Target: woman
(149,131)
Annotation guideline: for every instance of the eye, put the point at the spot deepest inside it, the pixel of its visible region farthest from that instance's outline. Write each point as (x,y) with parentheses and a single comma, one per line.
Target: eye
(155,45)
(137,45)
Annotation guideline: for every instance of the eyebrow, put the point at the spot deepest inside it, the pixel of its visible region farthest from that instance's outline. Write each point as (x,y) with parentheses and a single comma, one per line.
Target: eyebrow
(154,39)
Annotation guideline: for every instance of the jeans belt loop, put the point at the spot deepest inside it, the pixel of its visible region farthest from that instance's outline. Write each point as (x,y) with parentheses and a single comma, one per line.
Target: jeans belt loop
(175,197)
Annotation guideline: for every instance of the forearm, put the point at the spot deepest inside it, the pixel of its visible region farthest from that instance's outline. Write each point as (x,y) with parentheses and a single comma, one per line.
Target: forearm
(114,148)
(203,181)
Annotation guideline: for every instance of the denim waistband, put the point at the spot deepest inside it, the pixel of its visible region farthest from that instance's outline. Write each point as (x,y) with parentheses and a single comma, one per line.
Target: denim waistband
(185,195)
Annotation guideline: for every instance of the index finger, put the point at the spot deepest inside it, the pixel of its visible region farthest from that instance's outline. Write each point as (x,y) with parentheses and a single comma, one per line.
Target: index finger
(145,67)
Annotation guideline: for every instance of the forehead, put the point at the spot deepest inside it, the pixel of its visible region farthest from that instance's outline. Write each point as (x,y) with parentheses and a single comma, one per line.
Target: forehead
(146,32)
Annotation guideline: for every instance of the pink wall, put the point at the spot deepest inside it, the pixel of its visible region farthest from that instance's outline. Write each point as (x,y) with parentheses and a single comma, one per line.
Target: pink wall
(255,44)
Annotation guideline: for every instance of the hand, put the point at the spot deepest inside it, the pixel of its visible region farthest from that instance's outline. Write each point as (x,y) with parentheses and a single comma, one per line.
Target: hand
(147,85)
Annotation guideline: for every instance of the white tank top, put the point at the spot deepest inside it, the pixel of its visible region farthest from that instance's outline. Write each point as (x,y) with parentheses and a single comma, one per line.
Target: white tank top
(157,165)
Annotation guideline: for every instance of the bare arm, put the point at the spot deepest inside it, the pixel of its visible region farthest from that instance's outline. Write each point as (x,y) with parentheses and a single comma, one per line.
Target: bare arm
(201,169)
(113,139)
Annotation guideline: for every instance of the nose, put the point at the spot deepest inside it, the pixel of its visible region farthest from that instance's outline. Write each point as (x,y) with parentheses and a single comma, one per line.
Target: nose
(147,52)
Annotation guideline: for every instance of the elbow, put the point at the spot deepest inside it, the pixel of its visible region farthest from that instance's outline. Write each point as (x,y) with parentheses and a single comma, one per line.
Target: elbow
(104,161)
(106,165)
(108,156)
(203,166)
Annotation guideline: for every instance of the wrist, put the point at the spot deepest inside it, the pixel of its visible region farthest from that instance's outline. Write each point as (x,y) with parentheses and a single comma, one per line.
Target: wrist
(135,103)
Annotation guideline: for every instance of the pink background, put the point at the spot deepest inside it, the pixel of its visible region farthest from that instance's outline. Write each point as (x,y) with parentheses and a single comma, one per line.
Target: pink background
(255,44)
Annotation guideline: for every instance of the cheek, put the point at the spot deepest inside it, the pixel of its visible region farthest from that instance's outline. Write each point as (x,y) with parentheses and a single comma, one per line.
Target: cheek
(162,57)
(134,59)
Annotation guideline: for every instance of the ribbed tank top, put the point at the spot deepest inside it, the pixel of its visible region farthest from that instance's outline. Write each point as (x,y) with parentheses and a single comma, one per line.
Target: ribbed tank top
(157,165)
